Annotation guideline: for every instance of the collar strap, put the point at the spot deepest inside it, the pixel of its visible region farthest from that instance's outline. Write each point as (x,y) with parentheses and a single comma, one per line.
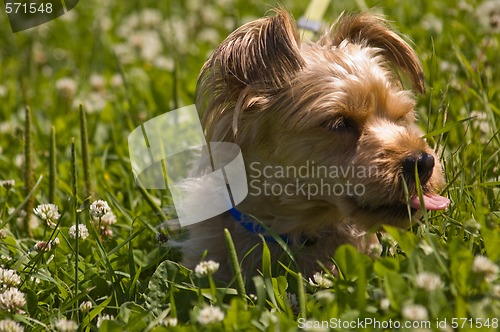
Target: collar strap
(255,228)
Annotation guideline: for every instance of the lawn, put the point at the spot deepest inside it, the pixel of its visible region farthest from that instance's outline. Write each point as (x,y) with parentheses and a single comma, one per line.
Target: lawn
(73,89)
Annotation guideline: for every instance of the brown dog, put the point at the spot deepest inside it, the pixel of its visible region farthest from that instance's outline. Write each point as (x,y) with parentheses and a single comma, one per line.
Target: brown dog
(328,135)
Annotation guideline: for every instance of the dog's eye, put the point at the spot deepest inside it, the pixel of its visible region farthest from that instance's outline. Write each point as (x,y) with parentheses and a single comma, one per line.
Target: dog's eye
(340,124)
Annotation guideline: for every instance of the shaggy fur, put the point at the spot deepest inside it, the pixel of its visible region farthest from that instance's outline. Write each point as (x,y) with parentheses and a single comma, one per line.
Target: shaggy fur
(339,104)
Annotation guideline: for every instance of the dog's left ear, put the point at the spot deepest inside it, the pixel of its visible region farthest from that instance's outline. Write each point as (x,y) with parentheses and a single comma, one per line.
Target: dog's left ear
(373,31)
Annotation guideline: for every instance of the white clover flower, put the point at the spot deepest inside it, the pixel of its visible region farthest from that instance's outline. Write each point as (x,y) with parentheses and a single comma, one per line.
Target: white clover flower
(415,312)
(426,248)
(482,123)
(7,325)
(206,268)
(43,246)
(3,91)
(450,67)
(99,208)
(9,278)
(83,232)
(48,213)
(432,23)
(108,219)
(85,306)
(174,31)
(209,35)
(92,102)
(97,82)
(33,222)
(148,43)
(5,258)
(320,280)
(164,63)
(150,18)
(6,128)
(169,321)
(152,46)
(7,184)
(428,281)
(66,325)
(210,315)
(495,291)
(194,5)
(125,53)
(18,160)
(489,15)
(35,280)
(116,80)
(385,304)
(128,25)
(12,300)
(484,266)
(106,232)
(102,318)
(70,16)
(3,234)
(67,87)
(325,296)
(210,15)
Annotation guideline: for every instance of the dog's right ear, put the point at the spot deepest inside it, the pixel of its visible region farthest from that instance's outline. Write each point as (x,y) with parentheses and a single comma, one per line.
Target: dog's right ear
(261,54)
(252,63)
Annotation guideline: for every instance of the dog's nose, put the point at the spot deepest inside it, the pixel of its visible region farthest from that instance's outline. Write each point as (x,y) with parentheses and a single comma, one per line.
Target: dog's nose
(425,165)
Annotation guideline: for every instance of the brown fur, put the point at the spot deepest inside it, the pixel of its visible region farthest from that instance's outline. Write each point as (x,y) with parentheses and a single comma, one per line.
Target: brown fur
(339,103)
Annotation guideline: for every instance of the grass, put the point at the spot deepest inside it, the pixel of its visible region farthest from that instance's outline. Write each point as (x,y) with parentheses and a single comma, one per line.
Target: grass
(77,157)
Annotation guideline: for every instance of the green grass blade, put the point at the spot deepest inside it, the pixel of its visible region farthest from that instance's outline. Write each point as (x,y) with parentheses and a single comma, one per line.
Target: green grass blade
(235,265)
(52,166)
(85,153)
(28,168)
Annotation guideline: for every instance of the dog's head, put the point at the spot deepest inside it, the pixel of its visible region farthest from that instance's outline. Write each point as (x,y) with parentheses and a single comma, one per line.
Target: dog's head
(337,108)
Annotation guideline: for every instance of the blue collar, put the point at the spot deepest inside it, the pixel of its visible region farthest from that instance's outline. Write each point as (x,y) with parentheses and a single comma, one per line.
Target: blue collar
(256,228)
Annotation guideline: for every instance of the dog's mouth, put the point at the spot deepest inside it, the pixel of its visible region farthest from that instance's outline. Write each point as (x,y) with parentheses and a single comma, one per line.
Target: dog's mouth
(431,201)
(397,212)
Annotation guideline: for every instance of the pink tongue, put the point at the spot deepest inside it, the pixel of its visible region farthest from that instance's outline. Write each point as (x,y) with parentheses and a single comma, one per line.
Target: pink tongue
(431,201)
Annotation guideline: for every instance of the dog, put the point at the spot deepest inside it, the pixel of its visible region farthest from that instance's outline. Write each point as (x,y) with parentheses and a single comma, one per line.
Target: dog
(328,135)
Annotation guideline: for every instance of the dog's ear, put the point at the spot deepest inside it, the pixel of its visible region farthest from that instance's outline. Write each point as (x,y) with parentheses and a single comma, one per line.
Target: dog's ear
(373,31)
(262,53)
(252,63)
